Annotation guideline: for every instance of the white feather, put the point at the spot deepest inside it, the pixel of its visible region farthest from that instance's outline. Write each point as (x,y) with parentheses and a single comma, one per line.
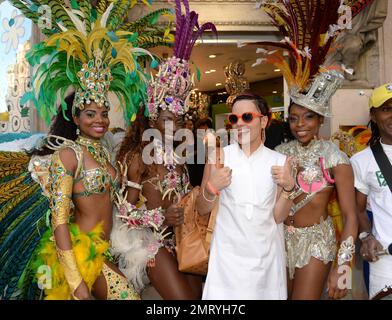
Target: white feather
(261,50)
(132,248)
(258,62)
(79,24)
(79,13)
(105,15)
(64,29)
(141,50)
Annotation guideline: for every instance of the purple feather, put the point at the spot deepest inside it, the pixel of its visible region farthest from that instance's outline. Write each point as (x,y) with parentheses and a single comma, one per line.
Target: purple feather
(178,20)
(192,25)
(182,28)
(196,35)
(187,30)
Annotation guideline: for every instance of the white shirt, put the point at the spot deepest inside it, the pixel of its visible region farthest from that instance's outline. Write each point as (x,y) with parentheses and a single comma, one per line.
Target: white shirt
(247,256)
(370,181)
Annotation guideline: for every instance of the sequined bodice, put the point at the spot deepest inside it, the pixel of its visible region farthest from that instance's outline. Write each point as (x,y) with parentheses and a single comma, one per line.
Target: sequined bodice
(96,181)
(308,158)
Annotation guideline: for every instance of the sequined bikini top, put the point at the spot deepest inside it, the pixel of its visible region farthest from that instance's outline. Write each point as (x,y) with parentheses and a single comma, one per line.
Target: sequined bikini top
(314,160)
(96,180)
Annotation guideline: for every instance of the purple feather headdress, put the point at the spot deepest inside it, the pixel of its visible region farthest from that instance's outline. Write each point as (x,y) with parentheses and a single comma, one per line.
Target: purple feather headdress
(170,88)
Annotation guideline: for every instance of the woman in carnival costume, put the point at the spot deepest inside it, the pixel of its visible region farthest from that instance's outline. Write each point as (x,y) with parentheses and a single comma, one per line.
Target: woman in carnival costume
(142,237)
(318,165)
(61,240)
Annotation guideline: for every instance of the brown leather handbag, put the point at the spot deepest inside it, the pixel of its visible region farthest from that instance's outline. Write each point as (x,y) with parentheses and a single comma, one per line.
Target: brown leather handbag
(193,237)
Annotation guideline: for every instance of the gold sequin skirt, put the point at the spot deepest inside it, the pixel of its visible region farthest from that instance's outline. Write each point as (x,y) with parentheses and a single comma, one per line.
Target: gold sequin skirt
(318,241)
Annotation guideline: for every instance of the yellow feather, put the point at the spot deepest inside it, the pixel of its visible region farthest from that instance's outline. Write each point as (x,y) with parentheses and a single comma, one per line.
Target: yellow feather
(89,267)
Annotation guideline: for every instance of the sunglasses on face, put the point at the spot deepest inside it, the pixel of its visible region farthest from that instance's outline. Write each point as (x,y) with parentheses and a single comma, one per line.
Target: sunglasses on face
(247,117)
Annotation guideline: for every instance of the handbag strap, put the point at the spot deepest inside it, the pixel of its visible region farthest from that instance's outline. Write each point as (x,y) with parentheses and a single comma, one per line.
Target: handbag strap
(383,162)
(383,293)
(214,211)
(211,222)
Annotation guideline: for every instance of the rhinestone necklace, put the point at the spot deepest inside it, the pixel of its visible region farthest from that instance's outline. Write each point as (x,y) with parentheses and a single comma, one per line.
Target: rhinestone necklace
(96,149)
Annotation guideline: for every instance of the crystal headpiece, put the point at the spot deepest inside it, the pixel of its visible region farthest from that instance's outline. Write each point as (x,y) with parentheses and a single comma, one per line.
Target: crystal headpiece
(320,91)
(95,78)
(309,29)
(92,54)
(170,88)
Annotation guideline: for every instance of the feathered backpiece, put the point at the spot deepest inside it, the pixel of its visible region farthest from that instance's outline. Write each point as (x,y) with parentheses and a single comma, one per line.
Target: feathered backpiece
(173,82)
(309,28)
(92,50)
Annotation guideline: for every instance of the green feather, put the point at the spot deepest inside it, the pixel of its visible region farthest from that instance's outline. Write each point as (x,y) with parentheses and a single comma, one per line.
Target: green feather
(146,21)
(85,7)
(75,5)
(154,64)
(92,253)
(198,74)
(119,13)
(102,6)
(93,15)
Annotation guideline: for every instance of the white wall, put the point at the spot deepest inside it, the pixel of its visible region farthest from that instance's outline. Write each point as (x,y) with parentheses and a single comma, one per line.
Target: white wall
(349,108)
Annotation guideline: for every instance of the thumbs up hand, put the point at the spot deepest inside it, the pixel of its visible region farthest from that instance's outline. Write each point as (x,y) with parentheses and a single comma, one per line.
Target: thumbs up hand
(220,178)
(282,175)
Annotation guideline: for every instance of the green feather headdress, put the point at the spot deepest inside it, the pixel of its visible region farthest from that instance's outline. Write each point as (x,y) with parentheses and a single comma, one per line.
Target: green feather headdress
(93,51)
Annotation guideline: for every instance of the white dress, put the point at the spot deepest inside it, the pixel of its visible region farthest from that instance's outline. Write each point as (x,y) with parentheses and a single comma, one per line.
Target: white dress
(247,257)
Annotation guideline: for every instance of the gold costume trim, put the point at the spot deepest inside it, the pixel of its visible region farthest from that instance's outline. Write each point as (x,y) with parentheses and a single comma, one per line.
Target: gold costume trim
(318,241)
(71,272)
(61,184)
(118,287)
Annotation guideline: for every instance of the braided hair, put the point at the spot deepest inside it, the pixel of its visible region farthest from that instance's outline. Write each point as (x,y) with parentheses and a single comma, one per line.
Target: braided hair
(376,136)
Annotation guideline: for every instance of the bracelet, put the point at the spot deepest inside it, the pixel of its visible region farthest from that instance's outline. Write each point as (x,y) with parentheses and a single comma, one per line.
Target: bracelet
(212,189)
(134,185)
(136,218)
(346,251)
(291,195)
(205,198)
(291,190)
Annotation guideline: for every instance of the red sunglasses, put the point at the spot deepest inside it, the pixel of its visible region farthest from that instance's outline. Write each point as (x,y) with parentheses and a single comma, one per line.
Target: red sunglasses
(247,117)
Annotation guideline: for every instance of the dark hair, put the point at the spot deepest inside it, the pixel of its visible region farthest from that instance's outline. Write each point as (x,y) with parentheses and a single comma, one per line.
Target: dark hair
(61,126)
(202,122)
(259,101)
(133,140)
(376,136)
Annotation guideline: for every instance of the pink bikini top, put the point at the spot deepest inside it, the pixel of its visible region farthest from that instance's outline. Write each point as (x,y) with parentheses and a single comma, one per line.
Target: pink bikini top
(315,186)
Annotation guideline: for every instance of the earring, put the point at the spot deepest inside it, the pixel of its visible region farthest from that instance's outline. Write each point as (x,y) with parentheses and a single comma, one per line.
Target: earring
(77,131)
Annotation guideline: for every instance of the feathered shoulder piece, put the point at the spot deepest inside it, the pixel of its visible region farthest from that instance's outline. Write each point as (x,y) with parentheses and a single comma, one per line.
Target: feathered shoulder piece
(309,28)
(173,82)
(92,50)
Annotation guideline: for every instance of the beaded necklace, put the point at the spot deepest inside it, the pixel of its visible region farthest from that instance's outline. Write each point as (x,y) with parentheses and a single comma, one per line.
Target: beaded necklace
(172,182)
(96,149)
